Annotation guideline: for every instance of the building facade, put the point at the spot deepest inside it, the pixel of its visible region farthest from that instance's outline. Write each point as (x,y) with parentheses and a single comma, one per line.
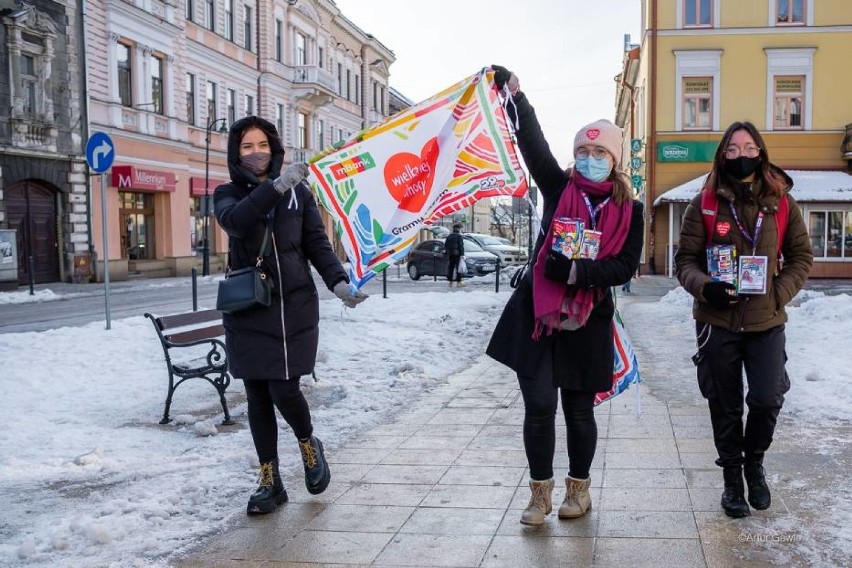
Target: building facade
(167,79)
(44,213)
(704,64)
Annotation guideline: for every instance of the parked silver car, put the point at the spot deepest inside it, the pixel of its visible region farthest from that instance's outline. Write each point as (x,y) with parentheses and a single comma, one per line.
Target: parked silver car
(508,254)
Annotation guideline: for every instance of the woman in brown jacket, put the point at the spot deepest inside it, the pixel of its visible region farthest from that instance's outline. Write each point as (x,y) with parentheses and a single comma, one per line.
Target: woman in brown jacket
(741,325)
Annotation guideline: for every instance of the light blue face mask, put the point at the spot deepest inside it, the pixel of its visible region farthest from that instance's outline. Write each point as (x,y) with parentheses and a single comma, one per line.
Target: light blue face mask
(593,169)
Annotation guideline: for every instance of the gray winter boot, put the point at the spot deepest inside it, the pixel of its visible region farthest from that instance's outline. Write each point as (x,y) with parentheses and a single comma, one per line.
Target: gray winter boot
(540,502)
(577,500)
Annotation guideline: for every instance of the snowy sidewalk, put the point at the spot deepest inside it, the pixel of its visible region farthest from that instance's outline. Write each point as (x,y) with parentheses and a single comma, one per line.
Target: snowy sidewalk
(444,484)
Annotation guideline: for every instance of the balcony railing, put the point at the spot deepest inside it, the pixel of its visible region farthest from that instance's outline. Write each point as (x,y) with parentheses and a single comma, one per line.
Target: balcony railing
(311,74)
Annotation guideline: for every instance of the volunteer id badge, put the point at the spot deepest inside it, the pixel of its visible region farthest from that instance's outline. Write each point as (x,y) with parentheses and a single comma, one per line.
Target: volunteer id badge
(752,274)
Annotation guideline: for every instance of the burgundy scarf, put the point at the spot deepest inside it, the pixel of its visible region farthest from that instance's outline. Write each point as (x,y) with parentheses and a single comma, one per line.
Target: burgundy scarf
(556,301)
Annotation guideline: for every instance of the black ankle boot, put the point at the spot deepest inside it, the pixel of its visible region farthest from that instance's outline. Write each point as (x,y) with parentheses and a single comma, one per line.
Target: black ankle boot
(758,492)
(317,474)
(270,491)
(733,498)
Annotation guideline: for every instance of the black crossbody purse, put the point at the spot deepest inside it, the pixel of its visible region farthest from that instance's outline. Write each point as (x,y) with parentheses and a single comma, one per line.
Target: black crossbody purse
(247,287)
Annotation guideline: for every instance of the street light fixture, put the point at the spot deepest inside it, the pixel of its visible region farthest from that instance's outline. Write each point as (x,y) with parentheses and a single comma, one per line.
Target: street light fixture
(205,259)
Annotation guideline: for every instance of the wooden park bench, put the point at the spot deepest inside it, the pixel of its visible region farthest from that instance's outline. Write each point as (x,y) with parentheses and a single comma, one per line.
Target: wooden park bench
(179,333)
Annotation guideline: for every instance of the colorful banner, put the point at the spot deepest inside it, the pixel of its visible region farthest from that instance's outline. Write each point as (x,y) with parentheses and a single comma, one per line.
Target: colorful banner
(428,161)
(626,368)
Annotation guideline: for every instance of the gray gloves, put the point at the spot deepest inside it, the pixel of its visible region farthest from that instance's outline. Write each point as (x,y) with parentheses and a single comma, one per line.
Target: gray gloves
(290,177)
(350,296)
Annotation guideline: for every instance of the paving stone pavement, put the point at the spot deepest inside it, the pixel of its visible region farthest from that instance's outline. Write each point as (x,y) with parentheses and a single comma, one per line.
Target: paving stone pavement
(444,484)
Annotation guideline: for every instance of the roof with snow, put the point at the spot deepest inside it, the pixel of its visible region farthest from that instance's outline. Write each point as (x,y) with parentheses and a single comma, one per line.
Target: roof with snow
(809,186)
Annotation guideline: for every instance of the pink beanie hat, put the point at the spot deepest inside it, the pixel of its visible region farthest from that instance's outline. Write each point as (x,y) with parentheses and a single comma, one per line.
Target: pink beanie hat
(601,133)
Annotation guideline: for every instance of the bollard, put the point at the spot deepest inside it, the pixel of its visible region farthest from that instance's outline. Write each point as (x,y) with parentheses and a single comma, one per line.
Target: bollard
(497,279)
(194,289)
(31,264)
(385,282)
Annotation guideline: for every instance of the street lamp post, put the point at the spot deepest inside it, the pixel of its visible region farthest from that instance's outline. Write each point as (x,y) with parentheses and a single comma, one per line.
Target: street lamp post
(205,258)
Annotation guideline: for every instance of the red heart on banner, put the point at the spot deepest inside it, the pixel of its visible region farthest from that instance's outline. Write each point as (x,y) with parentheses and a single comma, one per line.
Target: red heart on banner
(593,133)
(409,178)
(722,227)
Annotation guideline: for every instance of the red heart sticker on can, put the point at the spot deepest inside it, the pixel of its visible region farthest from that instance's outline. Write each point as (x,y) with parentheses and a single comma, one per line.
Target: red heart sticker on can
(722,227)
(592,133)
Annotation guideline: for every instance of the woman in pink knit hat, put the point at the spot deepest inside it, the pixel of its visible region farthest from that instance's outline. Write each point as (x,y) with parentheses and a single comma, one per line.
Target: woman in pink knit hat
(556,329)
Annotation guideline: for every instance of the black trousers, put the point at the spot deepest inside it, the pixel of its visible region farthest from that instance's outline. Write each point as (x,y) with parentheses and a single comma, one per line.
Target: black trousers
(721,359)
(453,267)
(263,398)
(540,401)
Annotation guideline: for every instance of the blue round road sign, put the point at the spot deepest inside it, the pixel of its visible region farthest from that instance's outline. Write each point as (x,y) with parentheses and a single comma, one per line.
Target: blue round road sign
(100,152)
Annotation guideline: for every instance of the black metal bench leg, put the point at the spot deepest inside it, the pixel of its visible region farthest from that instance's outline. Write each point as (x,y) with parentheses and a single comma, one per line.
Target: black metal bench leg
(227,421)
(166,418)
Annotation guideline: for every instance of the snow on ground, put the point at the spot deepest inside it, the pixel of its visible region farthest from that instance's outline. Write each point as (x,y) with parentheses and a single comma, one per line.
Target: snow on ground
(88,477)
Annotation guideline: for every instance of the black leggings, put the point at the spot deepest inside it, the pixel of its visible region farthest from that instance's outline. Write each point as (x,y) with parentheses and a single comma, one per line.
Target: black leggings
(263,397)
(540,398)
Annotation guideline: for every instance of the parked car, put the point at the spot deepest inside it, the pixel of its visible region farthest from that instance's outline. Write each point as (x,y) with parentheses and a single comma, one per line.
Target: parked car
(429,258)
(508,254)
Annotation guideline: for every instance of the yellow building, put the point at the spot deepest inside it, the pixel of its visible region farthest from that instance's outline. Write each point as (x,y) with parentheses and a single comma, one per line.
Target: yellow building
(704,64)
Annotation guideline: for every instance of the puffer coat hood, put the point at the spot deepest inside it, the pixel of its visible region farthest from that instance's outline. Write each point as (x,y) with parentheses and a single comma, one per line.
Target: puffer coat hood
(239,174)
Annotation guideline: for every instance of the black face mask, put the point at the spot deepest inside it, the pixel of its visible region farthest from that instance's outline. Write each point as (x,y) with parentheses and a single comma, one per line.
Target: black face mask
(742,167)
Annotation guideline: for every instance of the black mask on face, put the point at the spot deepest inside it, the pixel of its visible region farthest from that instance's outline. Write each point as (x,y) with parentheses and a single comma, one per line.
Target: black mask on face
(742,167)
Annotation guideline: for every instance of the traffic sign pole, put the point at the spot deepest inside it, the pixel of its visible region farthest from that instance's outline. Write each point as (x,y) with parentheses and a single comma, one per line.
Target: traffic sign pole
(100,154)
(106,248)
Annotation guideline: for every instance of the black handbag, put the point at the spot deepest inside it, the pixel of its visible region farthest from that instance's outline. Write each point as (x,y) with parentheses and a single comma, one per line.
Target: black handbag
(247,287)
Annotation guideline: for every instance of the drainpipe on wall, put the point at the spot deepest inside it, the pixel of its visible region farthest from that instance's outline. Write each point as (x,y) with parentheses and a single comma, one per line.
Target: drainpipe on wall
(651,149)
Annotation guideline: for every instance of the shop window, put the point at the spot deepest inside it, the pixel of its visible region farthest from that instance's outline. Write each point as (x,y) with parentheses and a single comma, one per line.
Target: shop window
(789,102)
(136,215)
(125,76)
(790,12)
(697,103)
(831,234)
(196,225)
(697,13)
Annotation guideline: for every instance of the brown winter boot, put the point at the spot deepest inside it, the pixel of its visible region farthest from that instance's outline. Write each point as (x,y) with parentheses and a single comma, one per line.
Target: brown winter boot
(540,502)
(577,500)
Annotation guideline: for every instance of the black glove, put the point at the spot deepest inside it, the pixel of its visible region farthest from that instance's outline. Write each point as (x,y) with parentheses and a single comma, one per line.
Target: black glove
(501,75)
(720,295)
(557,267)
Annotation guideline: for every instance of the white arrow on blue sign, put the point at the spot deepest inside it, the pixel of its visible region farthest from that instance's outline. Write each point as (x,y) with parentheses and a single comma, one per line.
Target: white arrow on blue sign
(100,152)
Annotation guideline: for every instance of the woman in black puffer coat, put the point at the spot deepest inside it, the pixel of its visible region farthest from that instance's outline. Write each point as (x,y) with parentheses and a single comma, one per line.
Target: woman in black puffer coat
(556,331)
(270,348)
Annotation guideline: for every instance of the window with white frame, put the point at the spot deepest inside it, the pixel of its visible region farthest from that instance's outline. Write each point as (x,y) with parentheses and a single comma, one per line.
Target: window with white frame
(382,99)
(189,10)
(320,63)
(788,103)
(279,40)
(157,73)
(697,13)
(698,103)
(790,12)
(29,82)
(357,89)
(247,25)
(320,134)
(375,95)
(190,99)
(340,79)
(348,85)
(340,135)
(831,234)
(125,74)
(301,45)
(249,105)
(229,20)
(697,80)
(210,15)
(232,106)
(279,118)
(302,130)
(211,101)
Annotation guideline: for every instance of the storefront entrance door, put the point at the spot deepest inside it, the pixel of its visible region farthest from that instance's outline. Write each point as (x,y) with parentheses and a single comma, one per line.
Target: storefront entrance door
(136,218)
(31,210)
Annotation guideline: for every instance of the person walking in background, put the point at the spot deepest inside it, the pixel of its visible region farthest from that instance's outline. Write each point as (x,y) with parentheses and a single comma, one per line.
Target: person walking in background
(556,331)
(737,332)
(270,348)
(454,246)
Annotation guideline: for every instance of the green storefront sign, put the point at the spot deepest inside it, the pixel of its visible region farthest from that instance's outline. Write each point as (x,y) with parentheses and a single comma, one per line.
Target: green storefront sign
(691,151)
